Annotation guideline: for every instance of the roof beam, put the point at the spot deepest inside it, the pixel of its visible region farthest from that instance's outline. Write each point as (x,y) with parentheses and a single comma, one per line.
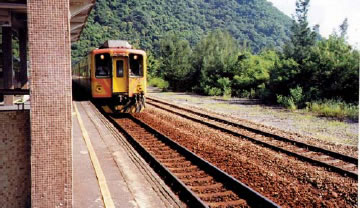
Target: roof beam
(76,25)
(76,9)
(12,6)
(78,19)
(79,12)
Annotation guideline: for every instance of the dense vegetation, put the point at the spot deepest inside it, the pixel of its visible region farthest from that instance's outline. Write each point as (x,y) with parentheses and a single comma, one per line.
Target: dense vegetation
(254,23)
(242,48)
(319,74)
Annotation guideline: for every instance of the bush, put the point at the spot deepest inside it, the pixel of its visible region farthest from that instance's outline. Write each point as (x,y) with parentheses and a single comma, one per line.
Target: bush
(225,84)
(294,100)
(263,93)
(286,101)
(159,83)
(252,72)
(297,95)
(214,91)
(334,108)
(250,94)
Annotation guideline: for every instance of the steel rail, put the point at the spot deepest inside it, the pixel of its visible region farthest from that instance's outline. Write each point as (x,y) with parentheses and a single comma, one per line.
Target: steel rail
(253,198)
(279,138)
(178,187)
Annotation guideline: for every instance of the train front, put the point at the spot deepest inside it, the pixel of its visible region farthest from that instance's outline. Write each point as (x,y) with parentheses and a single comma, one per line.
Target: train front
(119,77)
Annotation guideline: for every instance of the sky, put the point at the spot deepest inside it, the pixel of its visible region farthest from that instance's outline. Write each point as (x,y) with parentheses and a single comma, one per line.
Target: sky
(329,14)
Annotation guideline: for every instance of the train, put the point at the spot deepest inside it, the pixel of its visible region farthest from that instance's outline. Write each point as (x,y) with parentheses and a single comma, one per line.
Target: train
(114,76)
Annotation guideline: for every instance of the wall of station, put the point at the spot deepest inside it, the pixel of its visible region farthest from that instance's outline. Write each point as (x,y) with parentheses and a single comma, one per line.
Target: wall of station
(15,180)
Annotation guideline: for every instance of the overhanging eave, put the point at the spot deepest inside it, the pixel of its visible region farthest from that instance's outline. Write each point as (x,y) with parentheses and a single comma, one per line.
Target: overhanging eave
(79,12)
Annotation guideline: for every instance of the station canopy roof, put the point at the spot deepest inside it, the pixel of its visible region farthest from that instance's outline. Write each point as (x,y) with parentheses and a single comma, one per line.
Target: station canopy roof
(13,14)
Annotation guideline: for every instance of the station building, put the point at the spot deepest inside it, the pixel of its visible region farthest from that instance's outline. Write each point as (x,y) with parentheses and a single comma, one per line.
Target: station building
(35,67)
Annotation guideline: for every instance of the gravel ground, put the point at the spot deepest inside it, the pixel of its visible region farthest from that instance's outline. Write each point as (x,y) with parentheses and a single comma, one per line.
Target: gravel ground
(342,134)
(286,180)
(188,172)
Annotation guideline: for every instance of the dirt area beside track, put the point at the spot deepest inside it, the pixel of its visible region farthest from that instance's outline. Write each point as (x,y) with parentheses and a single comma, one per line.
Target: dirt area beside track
(340,136)
(284,179)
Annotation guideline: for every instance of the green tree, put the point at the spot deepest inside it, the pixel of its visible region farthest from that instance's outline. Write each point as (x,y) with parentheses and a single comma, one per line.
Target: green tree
(283,77)
(330,71)
(153,66)
(175,64)
(334,67)
(343,29)
(302,38)
(144,23)
(252,72)
(213,58)
(291,70)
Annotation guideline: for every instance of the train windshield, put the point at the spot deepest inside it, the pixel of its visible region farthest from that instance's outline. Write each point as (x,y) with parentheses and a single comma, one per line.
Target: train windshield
(103,65)
(136,65)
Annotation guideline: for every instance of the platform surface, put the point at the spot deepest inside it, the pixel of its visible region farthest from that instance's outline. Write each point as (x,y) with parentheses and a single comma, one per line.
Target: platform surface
(129,180)
(26,106)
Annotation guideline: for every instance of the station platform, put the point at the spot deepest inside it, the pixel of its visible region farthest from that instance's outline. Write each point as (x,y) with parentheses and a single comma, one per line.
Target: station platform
(107,171)
(25,106)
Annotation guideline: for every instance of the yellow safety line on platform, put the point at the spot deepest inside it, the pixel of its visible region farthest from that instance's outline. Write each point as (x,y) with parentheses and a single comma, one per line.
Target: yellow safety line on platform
(108,202)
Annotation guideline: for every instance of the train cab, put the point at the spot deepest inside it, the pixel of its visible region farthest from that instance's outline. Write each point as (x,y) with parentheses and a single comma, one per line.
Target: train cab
(118,76)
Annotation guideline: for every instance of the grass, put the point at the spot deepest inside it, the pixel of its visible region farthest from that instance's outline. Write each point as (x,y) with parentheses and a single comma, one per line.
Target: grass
(159,83)
(334,109)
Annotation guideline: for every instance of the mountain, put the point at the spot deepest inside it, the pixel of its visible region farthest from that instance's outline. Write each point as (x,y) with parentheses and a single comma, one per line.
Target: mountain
(253,23)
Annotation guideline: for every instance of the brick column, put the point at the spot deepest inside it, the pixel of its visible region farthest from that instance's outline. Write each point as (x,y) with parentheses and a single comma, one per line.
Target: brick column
(23,57)
(51,103)
(7,64)
(15,159)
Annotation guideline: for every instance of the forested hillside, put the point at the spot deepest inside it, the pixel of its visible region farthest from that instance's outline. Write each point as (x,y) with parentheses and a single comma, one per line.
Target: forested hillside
(241,48)
(253,23)
(319,74)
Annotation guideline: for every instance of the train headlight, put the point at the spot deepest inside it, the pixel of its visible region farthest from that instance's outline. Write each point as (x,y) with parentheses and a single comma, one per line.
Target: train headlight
(139,88)
(98,88)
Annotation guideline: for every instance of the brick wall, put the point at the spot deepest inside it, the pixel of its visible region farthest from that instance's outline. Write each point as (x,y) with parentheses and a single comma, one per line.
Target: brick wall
(51,100)
(14,159)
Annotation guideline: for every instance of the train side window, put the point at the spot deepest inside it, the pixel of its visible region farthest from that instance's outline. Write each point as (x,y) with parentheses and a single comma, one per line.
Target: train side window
(103,65)
(136,65)
(120,68)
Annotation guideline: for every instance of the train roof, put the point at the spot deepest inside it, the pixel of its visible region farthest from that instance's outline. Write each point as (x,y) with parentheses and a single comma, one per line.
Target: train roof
(124,51)
(117,47)
(116,44)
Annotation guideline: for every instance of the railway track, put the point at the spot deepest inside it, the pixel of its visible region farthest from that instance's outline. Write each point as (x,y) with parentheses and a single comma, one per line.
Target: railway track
(342,164)
(196,181)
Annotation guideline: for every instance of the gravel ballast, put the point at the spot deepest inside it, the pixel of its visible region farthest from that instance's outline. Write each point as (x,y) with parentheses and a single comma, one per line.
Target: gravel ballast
(339,136)
(284,179)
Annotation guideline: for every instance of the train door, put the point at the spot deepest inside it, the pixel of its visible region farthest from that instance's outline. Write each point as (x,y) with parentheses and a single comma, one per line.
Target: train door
(120,78)
(136,74)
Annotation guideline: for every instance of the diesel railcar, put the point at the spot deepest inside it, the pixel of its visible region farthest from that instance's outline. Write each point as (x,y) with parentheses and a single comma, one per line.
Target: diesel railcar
(113,76)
